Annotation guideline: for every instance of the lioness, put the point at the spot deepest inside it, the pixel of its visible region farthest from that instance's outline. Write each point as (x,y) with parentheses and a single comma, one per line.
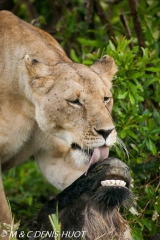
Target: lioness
(50,107)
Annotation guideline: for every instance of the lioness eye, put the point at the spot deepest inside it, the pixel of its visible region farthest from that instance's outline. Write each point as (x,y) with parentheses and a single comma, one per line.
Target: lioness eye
(106,99)
(77,102)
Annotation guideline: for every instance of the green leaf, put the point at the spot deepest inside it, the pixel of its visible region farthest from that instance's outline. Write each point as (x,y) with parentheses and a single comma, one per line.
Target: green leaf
(112,46)
(140,160)
(131,98)
(88,62)
(137,234)
(133,89)
(91,56)
(131,133)
(157,208)
(122,96)
(123,134)
(149,192)
(145,53)
(153,69)
(157,130)
(140,98)
(147,223)
(152,147)
(151,124)
(42,20)
(134,146)
(74,56)
(136,75)
(87,42)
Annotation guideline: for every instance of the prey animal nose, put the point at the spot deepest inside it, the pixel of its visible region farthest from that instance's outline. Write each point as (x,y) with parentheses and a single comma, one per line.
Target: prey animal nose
(104,133)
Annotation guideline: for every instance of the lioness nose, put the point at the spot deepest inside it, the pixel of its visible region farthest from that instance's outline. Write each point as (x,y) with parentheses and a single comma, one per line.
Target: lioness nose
(104,133)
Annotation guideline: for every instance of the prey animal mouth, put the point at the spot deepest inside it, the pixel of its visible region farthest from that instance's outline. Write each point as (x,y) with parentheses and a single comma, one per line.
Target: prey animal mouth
(95,154)
(112,182)
(116,181)
(114,173)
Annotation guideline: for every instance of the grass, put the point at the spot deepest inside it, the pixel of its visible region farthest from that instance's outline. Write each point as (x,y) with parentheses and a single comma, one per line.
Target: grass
(27,190)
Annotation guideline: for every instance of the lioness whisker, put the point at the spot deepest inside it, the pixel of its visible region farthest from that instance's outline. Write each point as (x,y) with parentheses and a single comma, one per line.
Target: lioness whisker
(131,139)
(109,114)
(121,144)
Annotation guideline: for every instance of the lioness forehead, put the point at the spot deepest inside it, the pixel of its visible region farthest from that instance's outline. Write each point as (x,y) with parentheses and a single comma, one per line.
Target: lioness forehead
(83,75)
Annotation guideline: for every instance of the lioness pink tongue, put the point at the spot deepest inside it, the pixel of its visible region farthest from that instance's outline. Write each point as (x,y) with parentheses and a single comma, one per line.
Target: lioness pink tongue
(98,154)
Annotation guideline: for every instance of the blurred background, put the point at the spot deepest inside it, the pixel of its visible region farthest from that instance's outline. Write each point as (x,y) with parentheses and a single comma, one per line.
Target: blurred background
(129,31)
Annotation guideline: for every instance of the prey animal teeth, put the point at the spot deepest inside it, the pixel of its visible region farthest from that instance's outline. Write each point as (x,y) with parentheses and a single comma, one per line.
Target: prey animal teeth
(113,182)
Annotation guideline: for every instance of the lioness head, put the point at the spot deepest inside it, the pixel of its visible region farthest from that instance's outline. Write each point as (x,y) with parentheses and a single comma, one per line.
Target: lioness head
(74,102)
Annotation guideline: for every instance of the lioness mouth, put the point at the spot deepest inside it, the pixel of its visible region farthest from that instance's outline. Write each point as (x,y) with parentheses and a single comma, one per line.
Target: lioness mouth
(77,147)
(98,153)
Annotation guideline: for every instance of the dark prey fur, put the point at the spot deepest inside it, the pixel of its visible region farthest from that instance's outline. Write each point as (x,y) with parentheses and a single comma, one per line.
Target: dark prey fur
(88,206)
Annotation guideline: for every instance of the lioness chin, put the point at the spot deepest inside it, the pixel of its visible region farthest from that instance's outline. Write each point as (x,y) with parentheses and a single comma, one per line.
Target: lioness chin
(50,107)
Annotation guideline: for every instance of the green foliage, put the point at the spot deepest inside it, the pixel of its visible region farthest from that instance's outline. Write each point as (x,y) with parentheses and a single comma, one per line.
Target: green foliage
(136,91)
(56,226)
(137,123)
(26,190)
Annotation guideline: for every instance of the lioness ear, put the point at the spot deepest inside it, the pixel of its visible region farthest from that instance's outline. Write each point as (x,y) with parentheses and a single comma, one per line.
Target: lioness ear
(40,81)
(35,68)
(106,68)
(42,85)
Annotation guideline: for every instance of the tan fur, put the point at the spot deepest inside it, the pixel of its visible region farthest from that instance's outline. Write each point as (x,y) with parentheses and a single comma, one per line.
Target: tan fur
(107,225)
(38,83)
